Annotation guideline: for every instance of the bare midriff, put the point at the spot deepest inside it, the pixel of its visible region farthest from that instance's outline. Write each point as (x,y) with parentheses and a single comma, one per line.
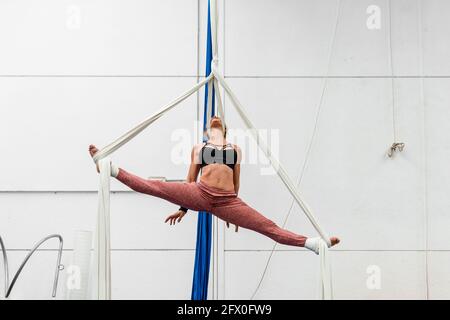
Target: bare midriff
(218,175)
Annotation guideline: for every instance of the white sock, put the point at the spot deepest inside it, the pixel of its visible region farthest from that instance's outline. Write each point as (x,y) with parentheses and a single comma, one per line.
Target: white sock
(114,170)
(313,244)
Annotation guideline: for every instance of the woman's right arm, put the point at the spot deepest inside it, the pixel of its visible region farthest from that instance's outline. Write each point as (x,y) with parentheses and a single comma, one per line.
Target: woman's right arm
(194,170)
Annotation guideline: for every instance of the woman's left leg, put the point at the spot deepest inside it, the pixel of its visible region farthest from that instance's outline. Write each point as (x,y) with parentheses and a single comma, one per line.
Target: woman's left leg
(239,213)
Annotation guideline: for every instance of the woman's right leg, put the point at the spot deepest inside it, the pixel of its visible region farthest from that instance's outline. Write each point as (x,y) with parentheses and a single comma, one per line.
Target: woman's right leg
(184,194)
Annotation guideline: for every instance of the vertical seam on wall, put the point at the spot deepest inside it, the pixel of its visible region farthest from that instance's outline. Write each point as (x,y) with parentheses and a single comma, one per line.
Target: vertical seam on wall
(302,167)
(391,68)
(225,111)
(425,144)
(223,45)
(198,73)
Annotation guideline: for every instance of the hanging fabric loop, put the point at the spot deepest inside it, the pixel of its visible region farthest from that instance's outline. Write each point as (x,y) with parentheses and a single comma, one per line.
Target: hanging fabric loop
(119,142)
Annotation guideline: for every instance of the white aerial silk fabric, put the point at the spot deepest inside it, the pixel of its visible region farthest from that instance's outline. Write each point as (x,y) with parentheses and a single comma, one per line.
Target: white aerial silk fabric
(101,284)
(116,144)
(326,280)
(102,241)
(325,265)
(102,244)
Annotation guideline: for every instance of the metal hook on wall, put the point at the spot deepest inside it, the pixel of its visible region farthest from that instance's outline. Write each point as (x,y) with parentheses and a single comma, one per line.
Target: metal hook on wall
(59,266)
(396,146)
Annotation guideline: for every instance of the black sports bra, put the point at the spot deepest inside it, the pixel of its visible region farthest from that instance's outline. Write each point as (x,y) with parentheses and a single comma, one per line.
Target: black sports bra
(210,153)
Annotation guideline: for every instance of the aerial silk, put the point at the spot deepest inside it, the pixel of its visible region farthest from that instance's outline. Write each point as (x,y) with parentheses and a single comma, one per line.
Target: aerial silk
(102,257)
(204,222)
(101,284)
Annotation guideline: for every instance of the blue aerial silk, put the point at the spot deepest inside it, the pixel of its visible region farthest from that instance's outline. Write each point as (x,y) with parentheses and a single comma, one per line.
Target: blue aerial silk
(204,222)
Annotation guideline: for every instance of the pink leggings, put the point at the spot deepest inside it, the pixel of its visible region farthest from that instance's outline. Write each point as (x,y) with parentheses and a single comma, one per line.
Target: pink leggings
(226,205)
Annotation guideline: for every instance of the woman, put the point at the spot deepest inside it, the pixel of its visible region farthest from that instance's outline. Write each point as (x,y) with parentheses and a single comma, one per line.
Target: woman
(217,190)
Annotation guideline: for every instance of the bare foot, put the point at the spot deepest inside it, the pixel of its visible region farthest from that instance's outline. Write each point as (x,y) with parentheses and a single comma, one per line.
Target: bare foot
(334,241)
(92,151)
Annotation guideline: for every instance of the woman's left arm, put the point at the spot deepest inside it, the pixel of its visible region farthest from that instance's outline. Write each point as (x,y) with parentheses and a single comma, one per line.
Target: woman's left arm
(237,169)
(236,177)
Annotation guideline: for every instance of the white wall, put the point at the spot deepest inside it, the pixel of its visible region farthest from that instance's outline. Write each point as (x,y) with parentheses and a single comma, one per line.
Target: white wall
(65,86)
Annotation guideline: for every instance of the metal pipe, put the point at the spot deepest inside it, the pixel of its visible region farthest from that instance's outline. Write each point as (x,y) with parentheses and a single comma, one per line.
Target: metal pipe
(5,264)
(59,266)
(165,179)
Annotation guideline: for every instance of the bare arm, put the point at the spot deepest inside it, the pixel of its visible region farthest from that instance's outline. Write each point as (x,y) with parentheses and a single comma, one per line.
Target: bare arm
(194,168)
(236,178)
(237,170)
(192,175)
